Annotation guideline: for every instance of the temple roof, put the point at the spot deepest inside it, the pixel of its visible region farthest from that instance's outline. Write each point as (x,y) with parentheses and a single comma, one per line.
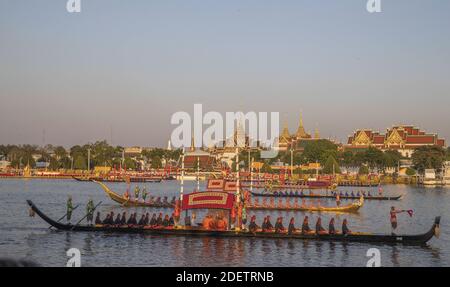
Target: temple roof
(285,135)
(397,136)
(301,133)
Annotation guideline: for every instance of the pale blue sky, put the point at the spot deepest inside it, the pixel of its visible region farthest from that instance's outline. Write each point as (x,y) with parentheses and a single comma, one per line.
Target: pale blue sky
(130,65)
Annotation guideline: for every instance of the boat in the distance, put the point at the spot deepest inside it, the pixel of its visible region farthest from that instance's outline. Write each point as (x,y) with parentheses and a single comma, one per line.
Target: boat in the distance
(322,196)
(112,179)
(350,208)
(419,239)
(131,202)
(303,185)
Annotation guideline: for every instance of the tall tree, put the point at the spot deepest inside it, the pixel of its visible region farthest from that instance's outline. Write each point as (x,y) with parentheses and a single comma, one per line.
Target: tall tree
(60,152)
(374,157)
(80,162)
(319,150)
(331,166)
(157,163)
(347,159)
(428,157)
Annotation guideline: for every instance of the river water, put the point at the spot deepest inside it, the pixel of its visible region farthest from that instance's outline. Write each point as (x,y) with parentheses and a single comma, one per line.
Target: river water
(22,237)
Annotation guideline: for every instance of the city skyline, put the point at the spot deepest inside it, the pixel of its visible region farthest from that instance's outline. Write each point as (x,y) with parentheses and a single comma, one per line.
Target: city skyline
(124,69)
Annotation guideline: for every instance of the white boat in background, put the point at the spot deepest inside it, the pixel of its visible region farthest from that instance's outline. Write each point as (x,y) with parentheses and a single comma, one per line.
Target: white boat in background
(192,177)
(431,179)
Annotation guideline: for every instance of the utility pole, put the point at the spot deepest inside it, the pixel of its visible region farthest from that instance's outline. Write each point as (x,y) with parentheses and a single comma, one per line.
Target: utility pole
(182,180)
(198,173)
(89,160)
(292,161)
(182,176)
(249,160)
(237,174)
(251,175)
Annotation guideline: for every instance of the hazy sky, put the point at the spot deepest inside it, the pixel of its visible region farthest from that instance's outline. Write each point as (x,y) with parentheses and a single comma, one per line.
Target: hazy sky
(129,65)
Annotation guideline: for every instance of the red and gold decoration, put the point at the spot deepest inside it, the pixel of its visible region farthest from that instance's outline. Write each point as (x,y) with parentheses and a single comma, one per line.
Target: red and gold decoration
(208,200)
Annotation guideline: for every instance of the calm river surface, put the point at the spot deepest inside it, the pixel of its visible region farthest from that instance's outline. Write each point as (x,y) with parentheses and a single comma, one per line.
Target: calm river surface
(22,237)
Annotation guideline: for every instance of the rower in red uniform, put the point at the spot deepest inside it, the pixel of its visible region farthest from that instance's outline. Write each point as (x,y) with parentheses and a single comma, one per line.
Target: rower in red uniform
(319,229)
(264,202)
(126,195)
(98,220)
(331,228)
(269,225)
(288,203)
(123,220)
(177,212)
(118,220)
(305,226)
(393,214)
(264,225)
(279,228)
(253,227)
(345,229)
(291,228)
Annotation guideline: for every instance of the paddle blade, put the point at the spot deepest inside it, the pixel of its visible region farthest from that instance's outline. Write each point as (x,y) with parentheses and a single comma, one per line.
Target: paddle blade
(410,213)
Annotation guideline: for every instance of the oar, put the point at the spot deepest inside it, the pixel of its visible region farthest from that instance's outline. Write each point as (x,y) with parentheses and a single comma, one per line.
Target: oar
(95,207)
(64,215)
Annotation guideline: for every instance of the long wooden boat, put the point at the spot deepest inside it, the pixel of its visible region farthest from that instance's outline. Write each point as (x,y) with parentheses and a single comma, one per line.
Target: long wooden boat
(305,186)
(358,183)
(117,179)
(419,239)
(322,196)
(131,202)
(351,208)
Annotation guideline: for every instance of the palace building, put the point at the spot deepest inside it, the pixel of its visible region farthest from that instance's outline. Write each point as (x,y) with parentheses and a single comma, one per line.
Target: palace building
(404,139)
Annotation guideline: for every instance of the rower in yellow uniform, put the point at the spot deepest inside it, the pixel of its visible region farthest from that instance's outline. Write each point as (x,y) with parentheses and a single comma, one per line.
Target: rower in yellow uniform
(136,192)
(90,211)
(144,193)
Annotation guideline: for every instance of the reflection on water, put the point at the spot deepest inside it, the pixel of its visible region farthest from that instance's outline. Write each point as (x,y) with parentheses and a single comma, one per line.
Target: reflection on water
(395,256)
(24,237)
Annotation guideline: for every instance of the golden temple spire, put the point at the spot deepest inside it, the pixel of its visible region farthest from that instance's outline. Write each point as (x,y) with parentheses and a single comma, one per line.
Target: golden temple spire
(285,133)
(316,132)
(192,142)
(301,133)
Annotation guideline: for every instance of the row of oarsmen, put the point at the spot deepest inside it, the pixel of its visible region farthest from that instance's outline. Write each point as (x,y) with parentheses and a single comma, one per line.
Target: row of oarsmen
(266,226)
(305,229)
(334,193)
(145,219)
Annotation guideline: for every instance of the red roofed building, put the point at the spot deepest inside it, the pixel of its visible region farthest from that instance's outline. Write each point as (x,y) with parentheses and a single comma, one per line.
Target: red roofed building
(200,158)
(404,139)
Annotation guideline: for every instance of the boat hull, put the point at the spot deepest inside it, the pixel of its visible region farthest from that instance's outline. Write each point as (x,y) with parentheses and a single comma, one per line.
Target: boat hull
(131,202)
